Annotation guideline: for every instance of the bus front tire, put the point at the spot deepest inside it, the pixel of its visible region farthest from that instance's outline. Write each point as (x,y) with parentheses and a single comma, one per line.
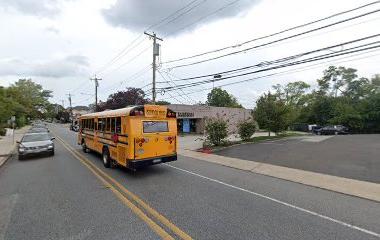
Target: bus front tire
(106,158)
(84,147)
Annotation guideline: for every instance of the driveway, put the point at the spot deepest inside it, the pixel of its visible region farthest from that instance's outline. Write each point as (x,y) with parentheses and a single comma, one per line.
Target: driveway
(350,156)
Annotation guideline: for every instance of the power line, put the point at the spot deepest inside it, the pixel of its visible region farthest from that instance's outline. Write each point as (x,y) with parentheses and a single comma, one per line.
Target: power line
(121,54)
(187,11)
(301,69)
(131,78)
(188,98)
(312,59)
(132,44)
(276,33)
(265,63)
(203,17)
(276,41)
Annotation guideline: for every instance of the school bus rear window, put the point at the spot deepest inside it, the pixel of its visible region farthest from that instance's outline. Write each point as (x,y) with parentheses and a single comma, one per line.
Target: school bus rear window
(155,126)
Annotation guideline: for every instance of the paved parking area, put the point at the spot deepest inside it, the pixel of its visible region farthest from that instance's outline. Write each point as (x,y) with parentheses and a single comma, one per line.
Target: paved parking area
(350,156)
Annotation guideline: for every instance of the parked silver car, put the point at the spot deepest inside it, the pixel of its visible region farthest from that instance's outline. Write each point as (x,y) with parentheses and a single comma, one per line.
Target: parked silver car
(35,144)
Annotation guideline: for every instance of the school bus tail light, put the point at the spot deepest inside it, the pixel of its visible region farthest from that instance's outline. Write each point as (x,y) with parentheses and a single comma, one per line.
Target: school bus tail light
(141,141)
(170,139)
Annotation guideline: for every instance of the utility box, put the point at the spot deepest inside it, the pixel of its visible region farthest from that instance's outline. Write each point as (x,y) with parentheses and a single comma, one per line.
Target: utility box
(156,49)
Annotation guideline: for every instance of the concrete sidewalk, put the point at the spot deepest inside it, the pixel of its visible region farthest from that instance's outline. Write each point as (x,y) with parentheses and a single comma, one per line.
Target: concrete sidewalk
(347,186)
(7,145)
(195,141)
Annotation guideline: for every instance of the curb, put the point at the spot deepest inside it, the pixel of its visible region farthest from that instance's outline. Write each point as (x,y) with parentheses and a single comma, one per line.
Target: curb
(352,187)
(5,158)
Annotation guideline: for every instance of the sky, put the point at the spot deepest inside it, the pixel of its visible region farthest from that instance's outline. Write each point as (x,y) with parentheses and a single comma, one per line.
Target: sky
(61,44)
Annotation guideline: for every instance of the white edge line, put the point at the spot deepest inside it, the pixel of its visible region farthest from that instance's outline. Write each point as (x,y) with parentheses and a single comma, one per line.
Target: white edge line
(281,202)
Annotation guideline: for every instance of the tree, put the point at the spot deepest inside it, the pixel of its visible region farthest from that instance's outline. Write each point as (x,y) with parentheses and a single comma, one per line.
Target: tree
(246,129)
(216,131)
(32,97)
(121,99)
(293,93)
(221,98)
(271,113)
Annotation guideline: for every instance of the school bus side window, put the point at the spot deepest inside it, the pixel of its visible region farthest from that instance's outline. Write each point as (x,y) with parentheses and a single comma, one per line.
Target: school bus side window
(113,125)
(108,125)
(118,125)
(103,124)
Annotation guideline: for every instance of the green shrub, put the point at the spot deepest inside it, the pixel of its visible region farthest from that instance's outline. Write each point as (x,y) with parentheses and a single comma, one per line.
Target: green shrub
(2,131)
(246,129)
(216,131)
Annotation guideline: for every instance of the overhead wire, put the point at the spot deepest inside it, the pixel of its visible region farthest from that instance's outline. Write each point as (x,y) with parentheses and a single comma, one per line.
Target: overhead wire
(276,33)
(316,58)
(280,60)
(275,41)
(300,69)
(169,82)
(204,17)
(134,43)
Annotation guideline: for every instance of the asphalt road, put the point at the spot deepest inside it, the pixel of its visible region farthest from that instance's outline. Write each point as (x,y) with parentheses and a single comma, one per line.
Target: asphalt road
(60,197)
(350,156)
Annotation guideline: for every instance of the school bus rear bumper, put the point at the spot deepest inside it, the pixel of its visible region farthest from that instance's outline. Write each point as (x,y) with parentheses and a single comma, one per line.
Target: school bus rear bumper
(135,164)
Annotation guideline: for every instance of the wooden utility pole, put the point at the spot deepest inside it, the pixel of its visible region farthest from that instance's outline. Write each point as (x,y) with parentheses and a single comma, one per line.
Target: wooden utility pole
(71,107)
(96,80)
(156,52)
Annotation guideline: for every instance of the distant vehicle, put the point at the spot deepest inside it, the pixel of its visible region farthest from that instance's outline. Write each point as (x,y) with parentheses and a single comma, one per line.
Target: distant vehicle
(332,130)
(74,126)
(315,129)
(35,144)
(38,130)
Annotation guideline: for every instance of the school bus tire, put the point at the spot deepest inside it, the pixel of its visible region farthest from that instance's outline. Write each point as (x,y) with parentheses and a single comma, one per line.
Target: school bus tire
(106,158)
(84,147)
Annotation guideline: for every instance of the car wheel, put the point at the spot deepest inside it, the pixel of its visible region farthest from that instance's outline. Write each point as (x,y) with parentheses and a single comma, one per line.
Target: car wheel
(318,133)
(106,158)
(52,153)
(20,157)
(84,147)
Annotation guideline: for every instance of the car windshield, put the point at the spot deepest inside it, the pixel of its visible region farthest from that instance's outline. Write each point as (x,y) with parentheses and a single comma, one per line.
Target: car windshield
(35,137)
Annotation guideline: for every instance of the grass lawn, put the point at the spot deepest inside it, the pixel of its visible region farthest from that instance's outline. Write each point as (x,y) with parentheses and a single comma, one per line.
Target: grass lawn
(252,140)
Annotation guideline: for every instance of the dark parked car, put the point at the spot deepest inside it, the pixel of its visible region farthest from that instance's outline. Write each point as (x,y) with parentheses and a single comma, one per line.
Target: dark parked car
(332,130)
(35,144)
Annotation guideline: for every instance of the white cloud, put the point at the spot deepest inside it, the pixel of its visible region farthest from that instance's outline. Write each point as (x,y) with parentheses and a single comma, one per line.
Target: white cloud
(58,68)
(42,8)
(137,15)
(33,45)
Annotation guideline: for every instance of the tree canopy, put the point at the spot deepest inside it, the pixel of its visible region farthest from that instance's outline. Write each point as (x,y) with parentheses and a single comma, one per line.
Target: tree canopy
(121,99)
(271,113)
(221,98)
(23,99)
(340,98)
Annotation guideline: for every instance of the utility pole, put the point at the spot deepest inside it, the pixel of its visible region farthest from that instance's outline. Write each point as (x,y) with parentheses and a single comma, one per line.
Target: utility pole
(71,107)
(156,52)
(95,79)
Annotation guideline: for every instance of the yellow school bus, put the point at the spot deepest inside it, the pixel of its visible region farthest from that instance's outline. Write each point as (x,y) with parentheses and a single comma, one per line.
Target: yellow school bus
(132,137)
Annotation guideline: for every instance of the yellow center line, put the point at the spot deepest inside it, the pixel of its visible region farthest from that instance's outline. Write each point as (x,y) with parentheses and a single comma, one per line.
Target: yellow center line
(133,196)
